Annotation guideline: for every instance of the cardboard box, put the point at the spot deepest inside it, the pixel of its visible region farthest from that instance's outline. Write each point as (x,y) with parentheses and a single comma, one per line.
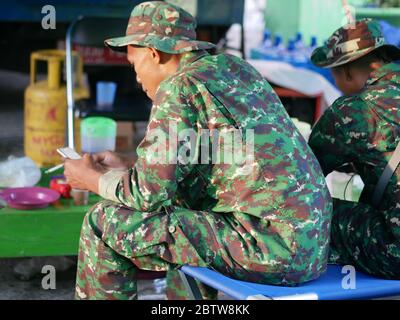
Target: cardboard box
(125,136)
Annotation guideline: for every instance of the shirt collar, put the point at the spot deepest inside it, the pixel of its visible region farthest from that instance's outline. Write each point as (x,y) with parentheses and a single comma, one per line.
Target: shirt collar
(383,71)
(191,57)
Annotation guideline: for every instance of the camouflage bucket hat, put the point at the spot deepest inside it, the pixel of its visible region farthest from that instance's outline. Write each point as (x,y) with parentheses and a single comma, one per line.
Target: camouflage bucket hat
(352,42)
(162,26)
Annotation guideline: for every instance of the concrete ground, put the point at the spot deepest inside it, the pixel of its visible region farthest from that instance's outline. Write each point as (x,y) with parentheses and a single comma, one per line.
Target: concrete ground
(12,288)
(11,143)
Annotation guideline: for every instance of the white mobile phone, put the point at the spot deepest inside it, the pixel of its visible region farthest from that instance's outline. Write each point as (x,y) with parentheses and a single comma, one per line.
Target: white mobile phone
(69,153)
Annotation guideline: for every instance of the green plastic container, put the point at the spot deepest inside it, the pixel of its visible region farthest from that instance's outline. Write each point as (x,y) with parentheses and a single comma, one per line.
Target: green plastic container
(98,134)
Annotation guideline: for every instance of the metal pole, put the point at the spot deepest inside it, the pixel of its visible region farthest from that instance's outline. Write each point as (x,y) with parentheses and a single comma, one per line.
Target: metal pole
(70,86)
(191,286)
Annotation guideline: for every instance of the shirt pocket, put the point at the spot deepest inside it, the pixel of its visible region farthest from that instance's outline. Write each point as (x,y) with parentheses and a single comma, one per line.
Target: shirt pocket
(224,103)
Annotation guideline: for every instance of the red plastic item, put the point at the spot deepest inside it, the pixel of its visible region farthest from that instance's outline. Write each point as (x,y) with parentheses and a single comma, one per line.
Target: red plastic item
(59,184)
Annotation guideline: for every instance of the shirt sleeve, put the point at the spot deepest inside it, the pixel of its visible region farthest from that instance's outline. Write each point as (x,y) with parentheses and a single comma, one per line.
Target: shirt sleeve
(108,184)
(331,138)
(170,143)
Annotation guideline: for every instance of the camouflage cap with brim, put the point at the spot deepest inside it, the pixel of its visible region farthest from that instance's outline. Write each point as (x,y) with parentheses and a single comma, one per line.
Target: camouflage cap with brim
(352,42)
(160,25)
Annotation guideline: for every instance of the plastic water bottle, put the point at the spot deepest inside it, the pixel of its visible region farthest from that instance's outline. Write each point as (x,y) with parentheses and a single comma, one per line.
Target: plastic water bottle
(267,41)
(266,51)
(298,42)
(312,47)
(289,55)
(314,43)
(279,47)
(295,55)
(278,44)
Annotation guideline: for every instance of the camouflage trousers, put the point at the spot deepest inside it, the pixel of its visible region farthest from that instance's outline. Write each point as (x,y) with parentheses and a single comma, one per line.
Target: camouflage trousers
(116,241)
(360,237)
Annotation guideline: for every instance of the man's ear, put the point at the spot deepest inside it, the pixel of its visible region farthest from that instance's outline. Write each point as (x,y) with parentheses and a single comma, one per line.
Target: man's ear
(155,55)
(376,65)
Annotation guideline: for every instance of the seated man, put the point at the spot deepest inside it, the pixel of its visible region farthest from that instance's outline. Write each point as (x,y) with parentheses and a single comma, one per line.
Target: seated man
(359,133)
(264,219)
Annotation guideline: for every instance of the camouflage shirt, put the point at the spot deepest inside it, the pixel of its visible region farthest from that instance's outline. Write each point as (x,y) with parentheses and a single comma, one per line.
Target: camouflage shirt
(285,186)
(363,130)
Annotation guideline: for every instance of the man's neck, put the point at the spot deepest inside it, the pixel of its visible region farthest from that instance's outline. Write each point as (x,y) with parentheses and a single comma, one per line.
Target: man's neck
(189,57)
(172,65)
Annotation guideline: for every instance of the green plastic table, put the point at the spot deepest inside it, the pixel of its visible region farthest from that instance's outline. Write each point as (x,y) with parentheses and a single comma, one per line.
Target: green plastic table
(51,231)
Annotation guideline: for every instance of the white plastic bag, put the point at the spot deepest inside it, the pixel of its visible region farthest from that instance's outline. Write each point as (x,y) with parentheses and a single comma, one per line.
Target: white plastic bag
(302,80)
(303,127)
(19,172)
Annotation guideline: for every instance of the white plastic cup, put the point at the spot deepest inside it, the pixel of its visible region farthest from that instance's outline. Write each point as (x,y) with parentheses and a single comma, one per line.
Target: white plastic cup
(105,95)
(80,197)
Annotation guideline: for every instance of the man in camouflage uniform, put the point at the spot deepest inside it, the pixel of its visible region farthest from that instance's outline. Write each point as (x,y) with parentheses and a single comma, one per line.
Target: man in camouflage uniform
(265,220)
(359,133)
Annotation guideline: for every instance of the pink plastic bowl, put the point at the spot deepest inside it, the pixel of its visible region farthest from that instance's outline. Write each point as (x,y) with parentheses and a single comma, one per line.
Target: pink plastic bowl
(29,198)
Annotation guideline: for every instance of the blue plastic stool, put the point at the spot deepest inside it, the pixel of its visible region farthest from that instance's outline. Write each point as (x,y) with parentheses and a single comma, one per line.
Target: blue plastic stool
(327,287)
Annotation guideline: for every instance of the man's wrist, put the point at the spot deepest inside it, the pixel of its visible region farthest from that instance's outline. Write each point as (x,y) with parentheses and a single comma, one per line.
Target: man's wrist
(92,183)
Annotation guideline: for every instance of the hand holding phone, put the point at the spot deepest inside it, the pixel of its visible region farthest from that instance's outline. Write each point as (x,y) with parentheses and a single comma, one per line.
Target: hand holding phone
(67,153)
(109,160)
